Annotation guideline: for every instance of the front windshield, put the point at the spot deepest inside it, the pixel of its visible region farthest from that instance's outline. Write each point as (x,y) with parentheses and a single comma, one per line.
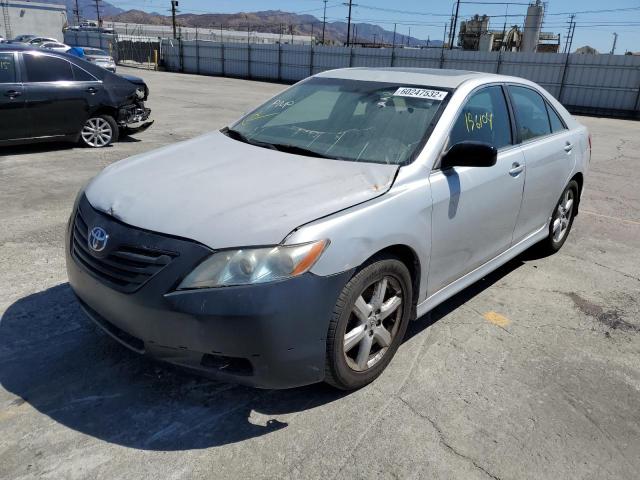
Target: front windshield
(345,119)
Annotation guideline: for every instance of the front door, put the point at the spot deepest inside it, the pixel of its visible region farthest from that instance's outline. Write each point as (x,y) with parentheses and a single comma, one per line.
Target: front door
(475,209)
(14,122)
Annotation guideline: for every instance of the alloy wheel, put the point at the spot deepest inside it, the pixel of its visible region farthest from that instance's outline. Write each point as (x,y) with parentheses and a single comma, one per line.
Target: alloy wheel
(97,132)
(562,218)
(373,323)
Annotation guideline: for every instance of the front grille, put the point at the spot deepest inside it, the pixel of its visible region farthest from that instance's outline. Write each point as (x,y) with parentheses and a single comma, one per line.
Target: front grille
(125,268)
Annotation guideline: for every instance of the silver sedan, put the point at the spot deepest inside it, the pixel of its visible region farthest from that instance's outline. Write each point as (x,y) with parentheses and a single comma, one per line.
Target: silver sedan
(296,245)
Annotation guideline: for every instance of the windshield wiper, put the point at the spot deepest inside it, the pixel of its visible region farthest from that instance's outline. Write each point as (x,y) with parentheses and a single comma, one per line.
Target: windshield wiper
(283,147)
(235,134)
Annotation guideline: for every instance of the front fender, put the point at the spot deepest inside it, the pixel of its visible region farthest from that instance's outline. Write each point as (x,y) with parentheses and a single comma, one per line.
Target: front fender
(402,216)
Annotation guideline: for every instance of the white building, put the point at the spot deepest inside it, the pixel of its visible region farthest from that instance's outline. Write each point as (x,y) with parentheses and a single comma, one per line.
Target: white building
(19,17)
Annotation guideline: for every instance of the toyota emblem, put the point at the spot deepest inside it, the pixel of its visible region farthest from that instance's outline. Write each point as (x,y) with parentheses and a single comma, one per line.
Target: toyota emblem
(98,238)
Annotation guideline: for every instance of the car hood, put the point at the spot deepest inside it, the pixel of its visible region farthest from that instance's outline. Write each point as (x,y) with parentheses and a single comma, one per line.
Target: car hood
(224,193)
(132,79)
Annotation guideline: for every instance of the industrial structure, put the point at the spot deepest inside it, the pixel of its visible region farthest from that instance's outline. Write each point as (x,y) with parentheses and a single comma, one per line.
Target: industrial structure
(475,34)
(21,17)
(214,34)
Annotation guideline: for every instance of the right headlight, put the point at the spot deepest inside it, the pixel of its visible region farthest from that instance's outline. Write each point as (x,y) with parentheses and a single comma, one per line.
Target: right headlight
(254,265)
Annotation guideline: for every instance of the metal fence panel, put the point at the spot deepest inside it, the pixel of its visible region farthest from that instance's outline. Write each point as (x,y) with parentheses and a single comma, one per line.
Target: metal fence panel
(264,61)
(295,62)
(604,84)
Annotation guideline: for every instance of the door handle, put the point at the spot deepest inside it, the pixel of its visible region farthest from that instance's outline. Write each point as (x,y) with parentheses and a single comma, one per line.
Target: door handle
(92,90)
(12,93)
(516,169)
(568,147)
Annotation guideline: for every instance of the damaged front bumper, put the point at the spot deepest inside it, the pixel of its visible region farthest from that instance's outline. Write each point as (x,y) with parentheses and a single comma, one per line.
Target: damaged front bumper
(134,118)
(270,335)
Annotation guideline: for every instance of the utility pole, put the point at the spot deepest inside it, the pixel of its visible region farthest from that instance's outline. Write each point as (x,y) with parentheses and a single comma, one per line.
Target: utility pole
(324,20)
(567,48)
(615,40)
(394,35)
(350,4)
(444,37)
(455,25)
(573,30)
(409,38)
(174,5)
(76,12)
(98,12)
(374,39)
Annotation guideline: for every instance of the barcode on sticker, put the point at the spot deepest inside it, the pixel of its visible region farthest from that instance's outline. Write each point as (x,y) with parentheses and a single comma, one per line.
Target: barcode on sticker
(421,93)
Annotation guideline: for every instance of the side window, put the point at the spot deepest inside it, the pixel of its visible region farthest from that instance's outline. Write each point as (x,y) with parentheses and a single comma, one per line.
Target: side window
(484,118)
(556,122)
(42,68)
(7,68)
(82,76)
(531,113)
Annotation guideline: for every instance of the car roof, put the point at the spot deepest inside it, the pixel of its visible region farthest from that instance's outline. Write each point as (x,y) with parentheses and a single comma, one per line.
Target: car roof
(433,77)
(11,45)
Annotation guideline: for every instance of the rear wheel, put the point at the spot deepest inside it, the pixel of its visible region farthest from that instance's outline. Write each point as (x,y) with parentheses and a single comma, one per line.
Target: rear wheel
(368,324)
(99,131)
(562,219)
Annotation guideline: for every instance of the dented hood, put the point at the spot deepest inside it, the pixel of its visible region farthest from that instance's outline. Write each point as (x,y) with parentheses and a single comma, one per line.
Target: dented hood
(225,193)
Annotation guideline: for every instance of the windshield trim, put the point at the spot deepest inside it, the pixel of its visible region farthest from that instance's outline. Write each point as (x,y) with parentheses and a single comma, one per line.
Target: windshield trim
(419,145)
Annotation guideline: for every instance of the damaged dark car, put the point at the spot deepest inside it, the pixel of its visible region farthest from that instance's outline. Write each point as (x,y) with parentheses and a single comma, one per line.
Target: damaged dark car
(49,96)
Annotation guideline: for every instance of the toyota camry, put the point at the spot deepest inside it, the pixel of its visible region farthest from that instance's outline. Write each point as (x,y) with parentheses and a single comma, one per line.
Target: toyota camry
(295,245)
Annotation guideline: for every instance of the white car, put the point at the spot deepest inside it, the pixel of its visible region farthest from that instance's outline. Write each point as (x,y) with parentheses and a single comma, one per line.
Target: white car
(296,245)
(38,41)
(99,57)
(55,46)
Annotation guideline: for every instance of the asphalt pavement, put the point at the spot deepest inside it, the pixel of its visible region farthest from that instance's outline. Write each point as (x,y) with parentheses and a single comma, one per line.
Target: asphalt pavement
(531,373)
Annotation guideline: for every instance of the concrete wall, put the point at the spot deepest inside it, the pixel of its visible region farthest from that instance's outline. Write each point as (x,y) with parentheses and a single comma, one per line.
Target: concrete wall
(42,19)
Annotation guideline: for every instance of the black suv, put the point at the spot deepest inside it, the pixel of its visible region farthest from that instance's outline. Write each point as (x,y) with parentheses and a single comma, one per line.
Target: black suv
(46,95)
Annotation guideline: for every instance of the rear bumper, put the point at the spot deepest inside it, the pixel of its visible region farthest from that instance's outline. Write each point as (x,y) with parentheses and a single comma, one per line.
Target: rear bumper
(268,336)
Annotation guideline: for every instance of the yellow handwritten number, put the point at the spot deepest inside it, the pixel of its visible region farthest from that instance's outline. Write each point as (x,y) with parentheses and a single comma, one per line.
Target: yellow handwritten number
(478,121)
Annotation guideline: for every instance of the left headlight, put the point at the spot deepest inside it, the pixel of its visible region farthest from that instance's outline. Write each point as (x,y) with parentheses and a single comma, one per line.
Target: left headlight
(255,265)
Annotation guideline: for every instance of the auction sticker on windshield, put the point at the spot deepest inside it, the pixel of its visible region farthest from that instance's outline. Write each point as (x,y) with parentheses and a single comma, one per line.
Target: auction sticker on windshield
(420,93)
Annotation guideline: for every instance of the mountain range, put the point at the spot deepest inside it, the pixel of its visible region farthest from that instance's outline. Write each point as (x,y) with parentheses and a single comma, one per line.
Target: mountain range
(273,21)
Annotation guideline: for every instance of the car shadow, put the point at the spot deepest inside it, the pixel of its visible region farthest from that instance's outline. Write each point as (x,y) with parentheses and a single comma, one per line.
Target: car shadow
(40,147)
(54,359)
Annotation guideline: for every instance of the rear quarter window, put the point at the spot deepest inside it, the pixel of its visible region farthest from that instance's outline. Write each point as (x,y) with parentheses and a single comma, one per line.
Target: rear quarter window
(557,125)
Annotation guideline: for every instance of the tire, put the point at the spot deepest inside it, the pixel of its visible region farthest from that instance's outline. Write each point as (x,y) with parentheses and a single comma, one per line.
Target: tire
(371,325)
(561,220)
(99,131)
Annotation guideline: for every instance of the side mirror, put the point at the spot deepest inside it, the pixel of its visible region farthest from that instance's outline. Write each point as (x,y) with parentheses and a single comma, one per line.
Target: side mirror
(469,154)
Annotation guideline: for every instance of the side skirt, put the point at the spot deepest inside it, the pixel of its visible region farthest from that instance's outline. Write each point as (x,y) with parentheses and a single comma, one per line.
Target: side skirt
(480,272)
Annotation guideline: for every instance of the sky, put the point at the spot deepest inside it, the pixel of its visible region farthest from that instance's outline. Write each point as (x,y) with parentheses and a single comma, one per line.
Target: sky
(596,21)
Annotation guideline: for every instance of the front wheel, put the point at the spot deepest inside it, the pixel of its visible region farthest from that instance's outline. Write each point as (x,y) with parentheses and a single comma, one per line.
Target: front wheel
(99,131)
(562,219)
(368,323)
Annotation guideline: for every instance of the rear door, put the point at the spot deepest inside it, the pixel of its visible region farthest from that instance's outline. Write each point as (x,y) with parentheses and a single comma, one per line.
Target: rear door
(56,102)
(14,122)
(475,209)
(549,152)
